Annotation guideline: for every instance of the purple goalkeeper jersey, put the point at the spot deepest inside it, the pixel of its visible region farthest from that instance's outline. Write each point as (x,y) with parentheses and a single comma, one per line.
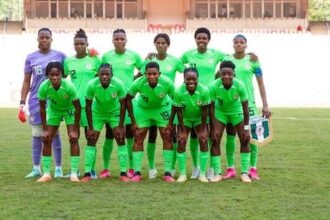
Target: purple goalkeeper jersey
(36,64)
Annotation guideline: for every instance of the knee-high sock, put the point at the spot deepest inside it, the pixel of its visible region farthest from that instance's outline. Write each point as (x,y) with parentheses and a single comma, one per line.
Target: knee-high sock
(245,162)
(90,153)
(94,161)
(130,149)
(168,157)
(182,157)
(230,150)
(57,149)
(74,163)
(123,158)
(254,155)
(46,163)
(175,148)
(137,160)
(36,150)
(216,164)
(194,151)
(107,150)
(151,150)
(203,157)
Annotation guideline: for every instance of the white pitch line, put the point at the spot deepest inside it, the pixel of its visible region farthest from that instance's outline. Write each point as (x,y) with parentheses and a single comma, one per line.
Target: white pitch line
(302,119)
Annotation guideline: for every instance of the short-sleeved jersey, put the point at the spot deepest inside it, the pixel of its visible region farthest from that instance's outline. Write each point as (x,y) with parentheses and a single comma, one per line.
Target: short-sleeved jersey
(191,104)
(106,100)
(168,67)
(245,69)
(228,101)
(123,65)
(35,64)
(206,63)
(152,97)
(61,99)
(81,71)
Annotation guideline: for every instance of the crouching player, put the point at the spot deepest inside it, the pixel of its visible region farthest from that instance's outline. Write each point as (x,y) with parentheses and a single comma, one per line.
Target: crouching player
(63,103)
(191,101)
(229,105)
(105,103)
(152,108)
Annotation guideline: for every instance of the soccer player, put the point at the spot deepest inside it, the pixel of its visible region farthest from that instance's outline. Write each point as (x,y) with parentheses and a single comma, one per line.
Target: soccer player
(63,104)
(169,66)
(192,101)
(205,60)
(229,104)
(152,108)
(82,68)
(106,103)
(35,65)
(245,71)
(123,62)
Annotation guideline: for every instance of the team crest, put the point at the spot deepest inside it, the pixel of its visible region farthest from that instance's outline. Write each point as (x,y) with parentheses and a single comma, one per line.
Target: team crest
(66,96)
(169,68)
(248,66)
(211,60)
(88,66)
(199,102)
(162,95)
(261,130)
(31,118)
(114,95)
(128,62)
(236,96)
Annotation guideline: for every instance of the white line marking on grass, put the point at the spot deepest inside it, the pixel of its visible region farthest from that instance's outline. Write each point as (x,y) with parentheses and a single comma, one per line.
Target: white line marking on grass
(302,119)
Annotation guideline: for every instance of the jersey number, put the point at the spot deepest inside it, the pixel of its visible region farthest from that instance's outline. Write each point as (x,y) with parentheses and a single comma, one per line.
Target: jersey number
(73,74)
(146,99)
(165,115)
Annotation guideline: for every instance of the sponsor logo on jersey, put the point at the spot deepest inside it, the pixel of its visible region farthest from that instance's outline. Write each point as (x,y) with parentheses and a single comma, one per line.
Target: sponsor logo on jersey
(128,62)
(211,60)
(88,66)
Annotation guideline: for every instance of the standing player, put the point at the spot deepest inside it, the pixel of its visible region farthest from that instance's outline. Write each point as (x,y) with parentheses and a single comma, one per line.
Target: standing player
(63,104)
(229,105)
(169,66)
(35,65)
(152,108)
(245,71)
(106,103)
(205,60)
(82,68)
(123,62)
(192,101)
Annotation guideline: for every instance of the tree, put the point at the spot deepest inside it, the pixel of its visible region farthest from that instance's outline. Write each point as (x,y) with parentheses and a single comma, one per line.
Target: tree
(11,10)
(319,10)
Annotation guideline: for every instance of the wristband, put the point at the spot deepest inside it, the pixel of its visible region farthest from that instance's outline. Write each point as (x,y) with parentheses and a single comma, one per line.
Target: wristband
(22,102)
(246,127)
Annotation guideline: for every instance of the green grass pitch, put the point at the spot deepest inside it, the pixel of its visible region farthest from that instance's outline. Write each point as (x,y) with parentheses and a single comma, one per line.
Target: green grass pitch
(294,170)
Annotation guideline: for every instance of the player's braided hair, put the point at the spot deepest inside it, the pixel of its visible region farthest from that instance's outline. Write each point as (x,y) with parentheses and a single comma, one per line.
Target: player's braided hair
(189,69)
(80,34)
(51,65)
(203,30)
(119,30)
(227,64)
(106,65)
(163,35)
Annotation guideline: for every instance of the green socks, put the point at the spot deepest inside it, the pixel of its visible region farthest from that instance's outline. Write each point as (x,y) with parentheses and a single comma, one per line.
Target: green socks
(137,160)
(182,157)
(230,150)
(130,149)
(203,157)
(151,150)
(175,148)
(107,150)
(123,158)
(254,155)
(194,151)
(216,164)
(74,163)
(168,158)
(245,162)
(90,155)
(46,164)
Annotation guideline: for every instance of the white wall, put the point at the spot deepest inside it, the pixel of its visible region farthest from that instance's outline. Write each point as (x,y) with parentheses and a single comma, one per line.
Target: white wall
(296,66)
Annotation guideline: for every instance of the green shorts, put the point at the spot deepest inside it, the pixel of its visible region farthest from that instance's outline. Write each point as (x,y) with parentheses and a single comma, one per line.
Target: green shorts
(145,117)
(233,119)
(83,118)
(191,123)
(99,120)
(54,117)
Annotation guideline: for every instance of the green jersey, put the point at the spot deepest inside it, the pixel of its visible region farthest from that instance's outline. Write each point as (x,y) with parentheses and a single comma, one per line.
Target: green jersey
(152,97)
(123,65)
(245,70)
(228,101)
(206,63)
(81,71)
(168,67)
(191,104)
(61,99)
(106,100)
